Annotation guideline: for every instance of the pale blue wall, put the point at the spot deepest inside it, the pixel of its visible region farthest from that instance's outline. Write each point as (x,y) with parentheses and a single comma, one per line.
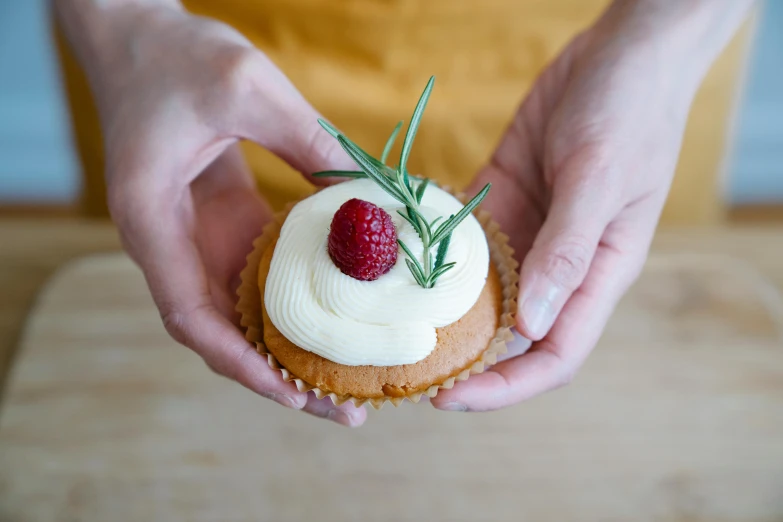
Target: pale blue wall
(36,158)
(756,166)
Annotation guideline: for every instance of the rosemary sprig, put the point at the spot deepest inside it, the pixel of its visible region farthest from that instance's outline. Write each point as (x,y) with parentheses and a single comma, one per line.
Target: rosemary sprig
(340,174)
(356,173)
(397,183)
(390,142)
(443,247)
(413,127)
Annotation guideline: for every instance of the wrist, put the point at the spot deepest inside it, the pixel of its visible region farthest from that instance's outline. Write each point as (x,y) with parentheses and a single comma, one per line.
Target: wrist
(97,30)
(684,36)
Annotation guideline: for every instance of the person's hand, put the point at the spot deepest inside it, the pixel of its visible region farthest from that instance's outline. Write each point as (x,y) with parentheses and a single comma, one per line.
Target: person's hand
(579,181)
(175,92)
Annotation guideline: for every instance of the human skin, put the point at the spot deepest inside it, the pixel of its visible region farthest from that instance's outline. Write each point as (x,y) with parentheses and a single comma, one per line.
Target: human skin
(581,176)
(579,180)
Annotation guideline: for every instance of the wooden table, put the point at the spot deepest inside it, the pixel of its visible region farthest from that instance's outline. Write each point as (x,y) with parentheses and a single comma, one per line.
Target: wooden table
(30,252)
(677,416)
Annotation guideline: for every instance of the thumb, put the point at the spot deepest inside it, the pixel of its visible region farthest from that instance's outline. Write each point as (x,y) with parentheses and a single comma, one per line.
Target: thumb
(267,108)
(310,149)
(562,252)
(287,125)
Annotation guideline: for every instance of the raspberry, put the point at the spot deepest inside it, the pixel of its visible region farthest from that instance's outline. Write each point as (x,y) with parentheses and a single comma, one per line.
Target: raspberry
(362,240)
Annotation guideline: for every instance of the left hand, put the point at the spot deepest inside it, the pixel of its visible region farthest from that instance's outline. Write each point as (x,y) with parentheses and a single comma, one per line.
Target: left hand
(579,182)
(175,93)
(227,214)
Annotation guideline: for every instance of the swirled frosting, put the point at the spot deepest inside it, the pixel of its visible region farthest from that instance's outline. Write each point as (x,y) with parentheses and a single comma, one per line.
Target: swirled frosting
(386,322)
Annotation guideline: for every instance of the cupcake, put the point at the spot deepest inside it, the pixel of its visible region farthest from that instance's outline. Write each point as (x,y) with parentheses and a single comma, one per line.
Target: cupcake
(381,288)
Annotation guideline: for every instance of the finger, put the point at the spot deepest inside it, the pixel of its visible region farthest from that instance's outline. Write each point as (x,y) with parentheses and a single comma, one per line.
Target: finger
(519,194)
(228,172)
(310,149)
(159,230)
(281,120)
(513,201)
(180,290)
(550,363)
(225,199)
(516,347)
(346,414)
(563,250)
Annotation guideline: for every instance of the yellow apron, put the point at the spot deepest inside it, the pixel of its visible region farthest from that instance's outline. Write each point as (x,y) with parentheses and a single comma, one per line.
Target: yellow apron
(364,63)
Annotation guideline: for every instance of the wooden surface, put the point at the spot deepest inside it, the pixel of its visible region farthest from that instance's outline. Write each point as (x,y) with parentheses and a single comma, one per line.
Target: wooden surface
(755,214)
(30,251)
(677,416)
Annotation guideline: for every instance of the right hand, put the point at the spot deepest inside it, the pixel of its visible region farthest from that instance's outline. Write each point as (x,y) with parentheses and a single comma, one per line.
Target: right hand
(175,93)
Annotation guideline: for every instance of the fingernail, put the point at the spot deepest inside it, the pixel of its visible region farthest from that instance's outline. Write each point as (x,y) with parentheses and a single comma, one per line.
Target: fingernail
(340,417)
(285,400)
(454,406)
(539,308)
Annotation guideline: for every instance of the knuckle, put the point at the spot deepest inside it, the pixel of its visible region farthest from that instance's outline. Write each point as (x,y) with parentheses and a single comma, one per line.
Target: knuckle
(564,373)
(214,369)
(560,369)
(237,77)
(323,151)
(119,210)
(566,377)
(237,69)
(175,323)
(629,269)
(592,169)
(567,263)
(181,323)
(124,201)
(597,157)
(130,214)
(237,365)
(633,273)
(218,369)
(229,365)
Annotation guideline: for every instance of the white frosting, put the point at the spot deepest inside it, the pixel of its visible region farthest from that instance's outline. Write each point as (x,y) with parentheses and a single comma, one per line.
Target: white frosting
(386,322)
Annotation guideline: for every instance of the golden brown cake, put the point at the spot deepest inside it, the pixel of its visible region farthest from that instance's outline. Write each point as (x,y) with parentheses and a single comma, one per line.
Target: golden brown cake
(459,345)
(381,288)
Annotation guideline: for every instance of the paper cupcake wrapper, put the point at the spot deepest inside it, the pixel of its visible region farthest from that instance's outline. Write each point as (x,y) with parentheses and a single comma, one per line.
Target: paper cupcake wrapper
(501,254)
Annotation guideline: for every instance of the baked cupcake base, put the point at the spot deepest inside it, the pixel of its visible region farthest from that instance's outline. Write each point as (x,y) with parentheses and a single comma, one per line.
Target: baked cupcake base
(465,347)
(460,344)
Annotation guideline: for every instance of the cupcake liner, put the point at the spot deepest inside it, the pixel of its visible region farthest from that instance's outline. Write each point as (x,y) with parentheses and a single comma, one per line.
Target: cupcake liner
(501,255)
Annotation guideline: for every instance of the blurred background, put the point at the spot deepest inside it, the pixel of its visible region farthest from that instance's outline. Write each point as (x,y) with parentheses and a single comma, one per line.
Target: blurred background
(730,164)
(677,416)
(39,165)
